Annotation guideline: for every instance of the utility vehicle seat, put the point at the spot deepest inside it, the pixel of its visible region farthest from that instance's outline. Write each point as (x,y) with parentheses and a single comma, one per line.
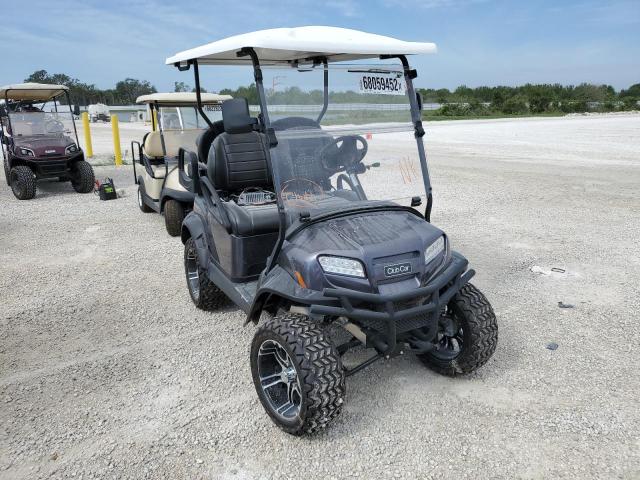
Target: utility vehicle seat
(239,159)
(206,138)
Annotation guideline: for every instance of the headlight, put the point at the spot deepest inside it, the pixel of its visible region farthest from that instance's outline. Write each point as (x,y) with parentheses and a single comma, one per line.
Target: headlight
(433,250)
(342,266)
(71,148)
(26,151)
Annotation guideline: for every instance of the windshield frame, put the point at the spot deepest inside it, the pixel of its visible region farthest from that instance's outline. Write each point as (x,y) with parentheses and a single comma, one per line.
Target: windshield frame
(157,122)
(266,128)
(55,100)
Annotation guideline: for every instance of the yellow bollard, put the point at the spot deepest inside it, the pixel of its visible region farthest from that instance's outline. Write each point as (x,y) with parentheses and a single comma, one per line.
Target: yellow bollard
(88,147)
(116,139)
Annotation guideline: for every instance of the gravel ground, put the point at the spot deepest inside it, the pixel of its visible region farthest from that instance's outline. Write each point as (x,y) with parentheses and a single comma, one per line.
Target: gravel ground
(107,370)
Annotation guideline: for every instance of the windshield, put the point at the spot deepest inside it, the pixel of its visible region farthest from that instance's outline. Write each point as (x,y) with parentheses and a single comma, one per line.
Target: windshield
(356,153)
(41,124)
(188,118)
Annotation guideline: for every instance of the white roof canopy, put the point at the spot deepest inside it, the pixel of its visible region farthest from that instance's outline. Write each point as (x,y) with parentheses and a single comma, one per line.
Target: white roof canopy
(32,91)
(285,45)
(182,98)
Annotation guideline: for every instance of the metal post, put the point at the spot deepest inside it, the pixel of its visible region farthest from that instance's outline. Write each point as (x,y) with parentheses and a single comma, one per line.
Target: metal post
(116,139)
(196,74)
(88,146)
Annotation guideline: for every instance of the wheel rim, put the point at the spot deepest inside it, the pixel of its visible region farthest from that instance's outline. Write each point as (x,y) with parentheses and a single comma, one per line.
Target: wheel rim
(193,275)
(279,380)
(139,198)
(450,342)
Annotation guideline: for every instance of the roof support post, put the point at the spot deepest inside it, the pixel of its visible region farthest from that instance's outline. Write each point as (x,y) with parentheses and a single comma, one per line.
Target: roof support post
(196,74)
(257,75)
(416,118)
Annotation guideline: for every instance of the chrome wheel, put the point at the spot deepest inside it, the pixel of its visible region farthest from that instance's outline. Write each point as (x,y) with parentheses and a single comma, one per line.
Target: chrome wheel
(279,380)
(139,198)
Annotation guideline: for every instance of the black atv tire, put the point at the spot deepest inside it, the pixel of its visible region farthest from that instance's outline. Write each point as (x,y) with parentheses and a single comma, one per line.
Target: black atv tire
(23,182)
(173,217)
(319,374)
(143,206)
(476,336)
(7,171)
(205,294)
(83,179)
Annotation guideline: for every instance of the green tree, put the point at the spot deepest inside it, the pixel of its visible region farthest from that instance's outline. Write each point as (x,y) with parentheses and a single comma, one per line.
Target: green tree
(129,89)
(181,87)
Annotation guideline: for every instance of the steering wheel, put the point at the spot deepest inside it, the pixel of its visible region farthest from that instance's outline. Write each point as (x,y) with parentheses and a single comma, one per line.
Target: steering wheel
(344,156)
(297,192)
(53,126)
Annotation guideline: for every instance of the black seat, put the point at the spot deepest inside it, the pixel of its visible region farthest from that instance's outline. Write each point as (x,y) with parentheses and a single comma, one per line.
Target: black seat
(239,159)
(206,138)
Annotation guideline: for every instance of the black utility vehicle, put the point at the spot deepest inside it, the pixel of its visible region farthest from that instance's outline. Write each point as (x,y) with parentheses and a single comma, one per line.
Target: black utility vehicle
(308,215)
(39,144)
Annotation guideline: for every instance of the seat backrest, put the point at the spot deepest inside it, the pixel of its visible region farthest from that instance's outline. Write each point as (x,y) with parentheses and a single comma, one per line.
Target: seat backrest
(206,138)
(153,145)
(174,140)
(239,157)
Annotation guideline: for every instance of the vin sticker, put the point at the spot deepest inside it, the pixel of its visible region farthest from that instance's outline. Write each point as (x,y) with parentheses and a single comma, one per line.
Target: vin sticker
(381,84)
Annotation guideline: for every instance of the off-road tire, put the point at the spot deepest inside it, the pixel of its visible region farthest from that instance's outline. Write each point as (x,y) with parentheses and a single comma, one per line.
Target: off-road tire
(83,179)
(23,182)
(208,297)
(480,330)
(173,217)
(319,369)
(143,206)
(7,171)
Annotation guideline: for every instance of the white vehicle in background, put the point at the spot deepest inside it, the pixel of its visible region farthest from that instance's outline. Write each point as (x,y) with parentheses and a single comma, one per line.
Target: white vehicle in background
(176,124)
(98,112)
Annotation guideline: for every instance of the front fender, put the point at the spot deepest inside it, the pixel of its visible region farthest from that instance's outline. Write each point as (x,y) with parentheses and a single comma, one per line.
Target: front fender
(281,286)
(193,226)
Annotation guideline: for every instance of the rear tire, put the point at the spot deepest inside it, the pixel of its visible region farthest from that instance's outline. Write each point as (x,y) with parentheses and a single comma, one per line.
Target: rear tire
(298,374)
(472,340)
(83,179)
(143,206)
(23,182)
(205,294)
(173,217)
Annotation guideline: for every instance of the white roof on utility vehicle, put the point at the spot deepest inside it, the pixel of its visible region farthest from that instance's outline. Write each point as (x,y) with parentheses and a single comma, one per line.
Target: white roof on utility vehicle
(32,91)
(181,98)
(283,45)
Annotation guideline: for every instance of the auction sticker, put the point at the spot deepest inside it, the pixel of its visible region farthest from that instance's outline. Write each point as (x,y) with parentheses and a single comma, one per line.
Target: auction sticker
(381,84)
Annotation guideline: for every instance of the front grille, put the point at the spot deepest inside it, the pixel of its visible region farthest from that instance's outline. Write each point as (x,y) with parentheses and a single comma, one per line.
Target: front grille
(51,167)
(402,326)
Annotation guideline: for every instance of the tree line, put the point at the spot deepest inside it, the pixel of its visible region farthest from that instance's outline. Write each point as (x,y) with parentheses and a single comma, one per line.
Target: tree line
(463,101)
(530,98)
(125,92)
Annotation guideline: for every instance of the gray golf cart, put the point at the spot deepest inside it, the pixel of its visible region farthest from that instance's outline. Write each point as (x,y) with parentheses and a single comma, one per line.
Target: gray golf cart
(316,215)
(179,124)
(39,139)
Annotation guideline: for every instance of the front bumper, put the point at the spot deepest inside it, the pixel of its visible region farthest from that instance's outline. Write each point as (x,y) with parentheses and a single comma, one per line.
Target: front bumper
(53,166)
(389,316)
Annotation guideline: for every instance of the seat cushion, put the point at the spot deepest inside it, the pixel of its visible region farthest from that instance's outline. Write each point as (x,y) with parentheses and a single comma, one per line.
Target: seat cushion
(253,219)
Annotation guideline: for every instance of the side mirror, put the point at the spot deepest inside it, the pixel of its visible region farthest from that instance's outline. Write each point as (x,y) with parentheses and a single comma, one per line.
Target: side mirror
(76,110)
(419,99)
(416,201)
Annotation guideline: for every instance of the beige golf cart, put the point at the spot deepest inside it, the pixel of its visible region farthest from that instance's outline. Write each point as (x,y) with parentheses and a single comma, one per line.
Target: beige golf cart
(176,124)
